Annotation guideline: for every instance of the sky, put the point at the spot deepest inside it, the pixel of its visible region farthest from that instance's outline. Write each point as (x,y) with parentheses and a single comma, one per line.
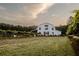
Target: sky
(36,13)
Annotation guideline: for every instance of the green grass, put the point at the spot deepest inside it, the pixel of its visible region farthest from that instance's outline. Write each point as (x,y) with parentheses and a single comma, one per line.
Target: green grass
(36,46)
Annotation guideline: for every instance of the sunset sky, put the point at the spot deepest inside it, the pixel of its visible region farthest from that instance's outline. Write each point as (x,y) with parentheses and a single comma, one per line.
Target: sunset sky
(35,14)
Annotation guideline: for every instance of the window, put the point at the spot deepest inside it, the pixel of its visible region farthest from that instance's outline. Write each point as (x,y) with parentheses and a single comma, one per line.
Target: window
(53,33)
(48,33)
(46,28)
(52,28)
(39,28)
(46,25)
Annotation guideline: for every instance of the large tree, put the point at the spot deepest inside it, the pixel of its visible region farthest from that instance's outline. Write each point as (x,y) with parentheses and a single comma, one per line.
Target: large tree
(73,24)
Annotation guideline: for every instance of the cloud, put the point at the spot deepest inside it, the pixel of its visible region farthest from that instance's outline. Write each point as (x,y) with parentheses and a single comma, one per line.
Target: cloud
(32,14)
(2,8)
(36,13)
(36,9)
(26,14)
(58,20)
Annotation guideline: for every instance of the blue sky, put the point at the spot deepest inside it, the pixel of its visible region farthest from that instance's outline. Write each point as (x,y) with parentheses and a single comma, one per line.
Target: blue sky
(36,13)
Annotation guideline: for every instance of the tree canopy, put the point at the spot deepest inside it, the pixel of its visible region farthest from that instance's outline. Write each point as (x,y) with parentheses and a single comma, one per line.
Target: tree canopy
(10,30)
(74,23)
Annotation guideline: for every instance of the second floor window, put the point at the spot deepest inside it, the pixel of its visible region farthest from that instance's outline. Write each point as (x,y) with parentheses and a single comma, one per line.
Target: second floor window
(46,28)
(39,28)
(52,28)
(46,25)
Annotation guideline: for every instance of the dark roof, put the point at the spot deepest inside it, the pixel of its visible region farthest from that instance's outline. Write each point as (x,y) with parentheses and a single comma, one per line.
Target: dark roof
(46,23)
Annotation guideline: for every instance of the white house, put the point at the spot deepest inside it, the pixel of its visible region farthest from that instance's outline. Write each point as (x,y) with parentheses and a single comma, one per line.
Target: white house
(47,29)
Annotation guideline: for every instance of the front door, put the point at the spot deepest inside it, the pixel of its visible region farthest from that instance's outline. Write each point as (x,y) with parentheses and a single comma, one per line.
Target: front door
(46,33)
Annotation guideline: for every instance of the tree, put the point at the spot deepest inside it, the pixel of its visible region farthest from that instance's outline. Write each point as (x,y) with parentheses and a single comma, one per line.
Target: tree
(10,30)
(73,25)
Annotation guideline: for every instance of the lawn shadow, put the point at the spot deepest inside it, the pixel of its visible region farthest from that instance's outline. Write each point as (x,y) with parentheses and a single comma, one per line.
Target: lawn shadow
(74,44)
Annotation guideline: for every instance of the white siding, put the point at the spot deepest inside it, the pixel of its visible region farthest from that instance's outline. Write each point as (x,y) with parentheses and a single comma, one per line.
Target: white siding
(50,26)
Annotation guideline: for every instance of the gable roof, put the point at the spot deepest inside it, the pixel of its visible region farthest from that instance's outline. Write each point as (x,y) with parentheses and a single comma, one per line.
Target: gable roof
(46,23)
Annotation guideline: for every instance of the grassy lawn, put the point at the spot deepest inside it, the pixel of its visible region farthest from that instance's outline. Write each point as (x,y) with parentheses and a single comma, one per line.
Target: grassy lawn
(49,46)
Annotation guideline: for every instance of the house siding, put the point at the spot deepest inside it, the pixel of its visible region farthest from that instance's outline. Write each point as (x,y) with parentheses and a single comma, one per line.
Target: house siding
(50,26)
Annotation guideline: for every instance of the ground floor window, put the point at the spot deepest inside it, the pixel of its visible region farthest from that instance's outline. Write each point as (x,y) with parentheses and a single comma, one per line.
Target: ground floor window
(46,33)
(53,33)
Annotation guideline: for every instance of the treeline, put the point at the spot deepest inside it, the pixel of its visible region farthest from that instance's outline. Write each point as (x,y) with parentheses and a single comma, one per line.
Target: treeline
(62,28)
(10,30)
(4,26)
